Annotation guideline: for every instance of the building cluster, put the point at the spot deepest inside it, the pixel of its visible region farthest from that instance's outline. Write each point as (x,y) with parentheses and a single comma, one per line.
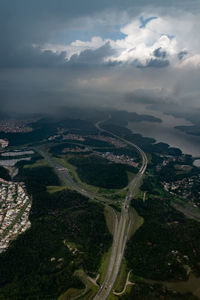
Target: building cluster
(185,188)
(180,258)
(79,138)
(15,207)
(108,139)
(53,137)
(13,125)
(69,136)
(74,137)
(76,149)
(118,159)
(4,143)
(166,160)
(71,248)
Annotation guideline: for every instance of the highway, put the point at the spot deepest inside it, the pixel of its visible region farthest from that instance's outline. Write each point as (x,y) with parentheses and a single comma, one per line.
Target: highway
(123,226)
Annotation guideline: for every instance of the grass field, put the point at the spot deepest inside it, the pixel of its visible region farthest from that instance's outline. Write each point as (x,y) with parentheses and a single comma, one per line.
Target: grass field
(70,294)
(121,278)
(137,221)
(130,176)
(38,163)
(104,266)
(110,219)
(192,285)
(54,188)
(88,293)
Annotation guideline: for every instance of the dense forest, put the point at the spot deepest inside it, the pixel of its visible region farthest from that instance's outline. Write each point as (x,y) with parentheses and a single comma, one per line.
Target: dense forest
(4,173)
(39,264)
(100,172)
(57,149)
(156,250)
(169,173)
(37,178)
(144,291)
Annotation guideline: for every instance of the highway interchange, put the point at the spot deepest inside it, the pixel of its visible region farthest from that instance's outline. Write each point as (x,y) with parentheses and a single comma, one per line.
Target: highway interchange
(122,225)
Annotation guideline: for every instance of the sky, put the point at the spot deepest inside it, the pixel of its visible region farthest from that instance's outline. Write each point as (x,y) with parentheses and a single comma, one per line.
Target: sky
(88,52)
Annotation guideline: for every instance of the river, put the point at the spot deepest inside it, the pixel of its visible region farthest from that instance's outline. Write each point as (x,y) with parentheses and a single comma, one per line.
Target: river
(165,131)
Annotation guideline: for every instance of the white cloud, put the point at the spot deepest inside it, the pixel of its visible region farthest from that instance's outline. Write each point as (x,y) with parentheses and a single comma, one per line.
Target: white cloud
(172,34)
(190,62)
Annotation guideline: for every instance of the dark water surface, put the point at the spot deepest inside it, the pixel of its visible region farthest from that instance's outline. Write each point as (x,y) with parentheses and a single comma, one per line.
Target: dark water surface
(165,131)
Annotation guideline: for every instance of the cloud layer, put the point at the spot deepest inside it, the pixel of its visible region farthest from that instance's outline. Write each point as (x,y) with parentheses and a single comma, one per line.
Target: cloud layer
(150,41)
(98,52)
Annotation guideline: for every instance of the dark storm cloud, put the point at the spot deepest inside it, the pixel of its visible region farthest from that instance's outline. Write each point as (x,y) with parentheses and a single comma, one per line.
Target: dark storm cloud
(34,57)
(96,56)
(145,96)
(152,63)
(31,57)
(157,63)
(28,21)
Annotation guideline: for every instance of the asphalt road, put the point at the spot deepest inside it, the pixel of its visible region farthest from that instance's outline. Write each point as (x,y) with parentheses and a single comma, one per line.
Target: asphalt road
(65,175)
(123,227)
